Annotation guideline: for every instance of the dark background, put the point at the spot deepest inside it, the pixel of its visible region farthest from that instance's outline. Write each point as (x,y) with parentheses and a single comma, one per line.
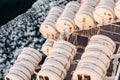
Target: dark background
(9,9)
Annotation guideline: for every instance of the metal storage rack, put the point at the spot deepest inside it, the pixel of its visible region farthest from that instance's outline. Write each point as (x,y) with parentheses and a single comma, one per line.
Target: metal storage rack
(81,38)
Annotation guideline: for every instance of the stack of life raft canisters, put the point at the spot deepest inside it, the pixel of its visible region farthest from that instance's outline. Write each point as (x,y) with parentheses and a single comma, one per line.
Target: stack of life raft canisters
(61,46)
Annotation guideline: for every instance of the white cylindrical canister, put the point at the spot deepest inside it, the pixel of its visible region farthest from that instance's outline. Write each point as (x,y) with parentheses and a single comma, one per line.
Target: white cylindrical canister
(93,3)
(47,74)
(25,64)
(24,59)
(104,12)
(66,45)
(100,56)
(58,71)
(84,9)
(75,3)
(48,28)
(102,39)
(63,61)
(72,6)
(117,9)
(19,73)
(58,60)
(101,48)
(91,66)
(49,21)
(96,58)
(65,24)
(95,61)
(51,61)
(33,51)
(67,15)
(30,53)
(84,17)
(23,70)
(47,46)
(86,72)
(61,46)
(56,10)
(49,31)
(29,58)
(61,52)
(14,76)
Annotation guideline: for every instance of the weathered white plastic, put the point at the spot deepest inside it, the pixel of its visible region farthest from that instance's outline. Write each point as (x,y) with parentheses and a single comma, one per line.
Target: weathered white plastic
(28,57)
(96,58)
(100,56)
(48,19)
(95,61)
(62,52)
(58,60)
(32,54)
(86,71)
(57,54)
(47,46)
(17,72)
(58,71)
(102,42)
(66,19)
(117,9)
(102,39)
(12,76)
(72,6)
(46,49)
(65,62)
(104,12)
(51,61)
(66,24)
(116,1)
(84,17)
(101,48)
(25,64)
(61,46)
(88,24)
(84,9)
(75,3)
(22,60)
(67,46)
(93,3)
(22,69)
(48,31)
(56,10)
(48,28)
(51,75)
(91,66)
(34,51)
(53,16)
